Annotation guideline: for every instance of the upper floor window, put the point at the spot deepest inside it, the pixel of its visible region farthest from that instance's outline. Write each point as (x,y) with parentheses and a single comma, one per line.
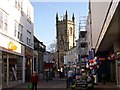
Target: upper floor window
(1,19)
(20,29)
(29,15)
(19,5)
(15,28)
(16,3)
(28,41)
(28,37)
(5,22)
(70,30)
(22,8)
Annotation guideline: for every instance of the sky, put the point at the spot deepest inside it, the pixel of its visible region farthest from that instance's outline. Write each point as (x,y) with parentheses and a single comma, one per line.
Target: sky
(45,17)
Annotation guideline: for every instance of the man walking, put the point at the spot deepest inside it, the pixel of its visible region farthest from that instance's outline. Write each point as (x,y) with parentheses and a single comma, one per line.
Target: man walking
(69,78)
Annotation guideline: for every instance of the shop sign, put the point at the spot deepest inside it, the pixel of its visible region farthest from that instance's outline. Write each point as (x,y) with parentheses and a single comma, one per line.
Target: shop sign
(28,51)
(101,58)
(12,46)
(47,69)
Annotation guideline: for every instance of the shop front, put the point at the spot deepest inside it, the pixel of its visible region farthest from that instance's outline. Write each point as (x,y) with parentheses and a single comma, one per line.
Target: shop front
(11,63)
(28,63)
(112,65)
(118,69)
(12,69)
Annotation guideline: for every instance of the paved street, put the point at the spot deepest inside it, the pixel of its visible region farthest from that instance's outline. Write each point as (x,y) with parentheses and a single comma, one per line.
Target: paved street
(60,84)
(107,86)
(55,84)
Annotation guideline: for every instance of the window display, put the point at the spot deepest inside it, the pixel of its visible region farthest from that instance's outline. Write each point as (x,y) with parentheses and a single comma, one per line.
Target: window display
(14,67)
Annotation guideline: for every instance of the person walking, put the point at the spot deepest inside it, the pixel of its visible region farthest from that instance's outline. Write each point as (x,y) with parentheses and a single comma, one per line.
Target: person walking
(103,78)
(34,80)
(69,78)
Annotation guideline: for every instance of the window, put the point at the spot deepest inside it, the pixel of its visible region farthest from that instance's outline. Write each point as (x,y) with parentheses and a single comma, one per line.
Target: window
(15,68)
(21,7)
(16,3)
(70,31)
(28,41)
(29,15)
(28,37)
(20,36)
(1,19)
(15,29)
(20,29)
(5,22)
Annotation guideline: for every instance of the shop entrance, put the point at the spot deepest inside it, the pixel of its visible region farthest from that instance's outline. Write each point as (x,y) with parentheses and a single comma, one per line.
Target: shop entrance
(5,70)
(0,70)
(118,71)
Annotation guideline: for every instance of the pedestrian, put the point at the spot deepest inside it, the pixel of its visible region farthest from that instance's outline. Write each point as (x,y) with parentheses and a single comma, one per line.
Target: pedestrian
(103,78)
(93,79)
(69,78)
(34,80)
(78,76)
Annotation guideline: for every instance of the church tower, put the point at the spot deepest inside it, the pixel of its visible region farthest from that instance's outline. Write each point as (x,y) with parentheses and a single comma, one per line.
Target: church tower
(65,35)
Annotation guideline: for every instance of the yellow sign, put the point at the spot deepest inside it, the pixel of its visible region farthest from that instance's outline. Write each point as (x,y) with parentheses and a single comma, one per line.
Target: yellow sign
(12,46)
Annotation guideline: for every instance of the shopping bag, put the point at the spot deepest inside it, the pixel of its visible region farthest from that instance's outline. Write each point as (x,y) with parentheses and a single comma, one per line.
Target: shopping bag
(90,85)
(30,86)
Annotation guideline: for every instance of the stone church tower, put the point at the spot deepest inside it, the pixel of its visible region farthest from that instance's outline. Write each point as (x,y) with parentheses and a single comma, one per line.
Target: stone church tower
(65,32)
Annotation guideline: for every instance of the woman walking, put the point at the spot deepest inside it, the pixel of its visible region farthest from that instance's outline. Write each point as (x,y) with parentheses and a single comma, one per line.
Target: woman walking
(34,80)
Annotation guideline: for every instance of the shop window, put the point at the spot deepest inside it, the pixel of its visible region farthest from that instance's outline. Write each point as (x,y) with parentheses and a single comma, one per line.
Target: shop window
(15,68)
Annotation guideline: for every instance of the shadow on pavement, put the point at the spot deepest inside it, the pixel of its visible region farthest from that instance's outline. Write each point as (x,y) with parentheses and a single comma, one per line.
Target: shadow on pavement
(37,89)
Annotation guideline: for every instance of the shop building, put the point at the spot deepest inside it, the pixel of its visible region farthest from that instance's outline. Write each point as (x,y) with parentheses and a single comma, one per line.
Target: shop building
(105,36)
(48,61)
(16,34)
(38,63)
